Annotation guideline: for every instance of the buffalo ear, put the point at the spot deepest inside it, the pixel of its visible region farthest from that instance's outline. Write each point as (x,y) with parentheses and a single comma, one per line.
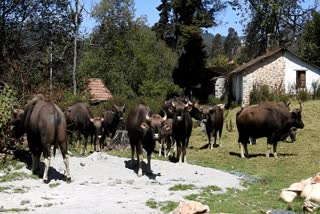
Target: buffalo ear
(144,126)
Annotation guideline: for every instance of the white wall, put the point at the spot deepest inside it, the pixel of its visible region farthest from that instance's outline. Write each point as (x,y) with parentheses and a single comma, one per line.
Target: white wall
(292,64)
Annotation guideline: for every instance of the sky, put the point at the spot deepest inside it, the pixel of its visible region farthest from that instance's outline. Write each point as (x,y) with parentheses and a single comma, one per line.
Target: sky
(226,19)
(147,8)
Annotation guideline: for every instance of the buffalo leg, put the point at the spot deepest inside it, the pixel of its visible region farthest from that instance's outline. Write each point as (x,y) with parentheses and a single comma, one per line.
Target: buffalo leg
(149,163)
(140,159)
(63,149)
(209,141)
(269,143)
(46,169)
(220,141)
(274,150)
(35,163)
(165,146)
(132,154)
(214,138)
(244,150)
(179,152)
(184,155)
(160,146)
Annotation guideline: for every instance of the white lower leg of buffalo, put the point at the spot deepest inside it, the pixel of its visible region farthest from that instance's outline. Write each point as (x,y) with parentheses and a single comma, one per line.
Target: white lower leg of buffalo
(46,169)
(274,150)
(268,150)
(149,163)
(66,163)
(160,147)
(241,150)
(246,153)
(140,159)
(179,154)
(184,157)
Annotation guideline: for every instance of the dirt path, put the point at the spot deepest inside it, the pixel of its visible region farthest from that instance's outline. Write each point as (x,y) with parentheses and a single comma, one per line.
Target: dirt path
(104,184)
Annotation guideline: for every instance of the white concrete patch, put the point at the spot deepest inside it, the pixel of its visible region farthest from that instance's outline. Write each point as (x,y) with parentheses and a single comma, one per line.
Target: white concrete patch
(102,184)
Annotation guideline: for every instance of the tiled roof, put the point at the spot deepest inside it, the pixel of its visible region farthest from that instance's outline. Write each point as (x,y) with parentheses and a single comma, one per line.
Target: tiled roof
(97,90)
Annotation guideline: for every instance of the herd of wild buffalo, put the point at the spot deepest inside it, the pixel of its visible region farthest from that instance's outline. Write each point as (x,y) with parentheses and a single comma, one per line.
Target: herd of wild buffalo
(46,126)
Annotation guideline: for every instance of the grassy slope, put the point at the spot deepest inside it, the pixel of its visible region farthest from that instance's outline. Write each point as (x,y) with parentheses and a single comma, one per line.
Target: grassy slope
(296,161)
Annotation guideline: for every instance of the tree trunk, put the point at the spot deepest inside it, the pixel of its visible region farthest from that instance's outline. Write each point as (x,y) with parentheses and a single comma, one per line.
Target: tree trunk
(75,48)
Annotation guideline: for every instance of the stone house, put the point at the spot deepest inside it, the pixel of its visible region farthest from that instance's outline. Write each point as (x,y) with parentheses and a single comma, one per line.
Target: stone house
(278,69)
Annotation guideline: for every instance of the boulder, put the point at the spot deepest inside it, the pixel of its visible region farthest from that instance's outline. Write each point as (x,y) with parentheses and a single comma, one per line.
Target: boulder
(191,207)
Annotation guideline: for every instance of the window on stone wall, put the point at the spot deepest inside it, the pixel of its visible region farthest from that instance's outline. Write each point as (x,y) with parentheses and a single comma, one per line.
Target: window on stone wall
(301,79)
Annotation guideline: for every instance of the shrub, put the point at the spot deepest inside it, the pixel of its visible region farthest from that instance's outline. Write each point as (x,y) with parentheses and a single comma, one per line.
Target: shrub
(7,101)
(263,93)
(302,95)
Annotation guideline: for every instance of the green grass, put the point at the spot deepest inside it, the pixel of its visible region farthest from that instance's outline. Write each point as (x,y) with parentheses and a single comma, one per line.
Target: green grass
(264,178)
(168,206)
(24,202)
(22,189)
(181,187)
(14,210)
(16,176)
(152,203)
(53,185)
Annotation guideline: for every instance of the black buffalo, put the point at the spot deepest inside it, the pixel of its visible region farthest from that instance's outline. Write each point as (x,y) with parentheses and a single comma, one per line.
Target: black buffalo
(143,132)
(112,119)
(213,120)
(166,140)
(45,126)
(79,119)
(270,120)
(181,128)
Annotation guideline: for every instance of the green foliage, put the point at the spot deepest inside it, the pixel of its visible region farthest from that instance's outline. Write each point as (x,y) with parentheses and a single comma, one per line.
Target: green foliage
(7,101)
(160,89)
(302,95)
(181,187)
(70,99)
(311,45)
(263,93)
(168,206)
(152,203)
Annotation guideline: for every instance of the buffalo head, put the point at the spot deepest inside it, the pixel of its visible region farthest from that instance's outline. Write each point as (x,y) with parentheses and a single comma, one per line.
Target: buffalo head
(179,109)
(296,117)
(97,124)
(154,125)
(119,111)
(18,122)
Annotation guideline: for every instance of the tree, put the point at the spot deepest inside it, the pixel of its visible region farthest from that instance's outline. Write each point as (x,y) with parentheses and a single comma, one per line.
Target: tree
(311,40)
(271,24)
(26,30)
(232,43)
(180,26)
(217,47)
(124,52)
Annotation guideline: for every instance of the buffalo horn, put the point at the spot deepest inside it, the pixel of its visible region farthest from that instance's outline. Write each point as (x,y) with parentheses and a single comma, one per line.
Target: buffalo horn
(165,115)
(116,106)
(148,118)
(172,103)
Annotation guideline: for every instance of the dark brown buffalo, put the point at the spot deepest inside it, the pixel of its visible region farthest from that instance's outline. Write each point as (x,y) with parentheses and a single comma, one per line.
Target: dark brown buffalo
(270,120)
(79,119)
(143,132)
(45,126)
(181,128)
(112,119)
(213,120)
(166,139)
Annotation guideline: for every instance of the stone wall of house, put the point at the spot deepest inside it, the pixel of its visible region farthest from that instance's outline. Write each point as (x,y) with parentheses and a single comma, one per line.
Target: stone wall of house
(271,73)
(219,87)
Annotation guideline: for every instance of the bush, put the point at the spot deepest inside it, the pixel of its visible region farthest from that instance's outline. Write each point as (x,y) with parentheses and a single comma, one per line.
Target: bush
(302,95)
(7,101)
(263,93)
